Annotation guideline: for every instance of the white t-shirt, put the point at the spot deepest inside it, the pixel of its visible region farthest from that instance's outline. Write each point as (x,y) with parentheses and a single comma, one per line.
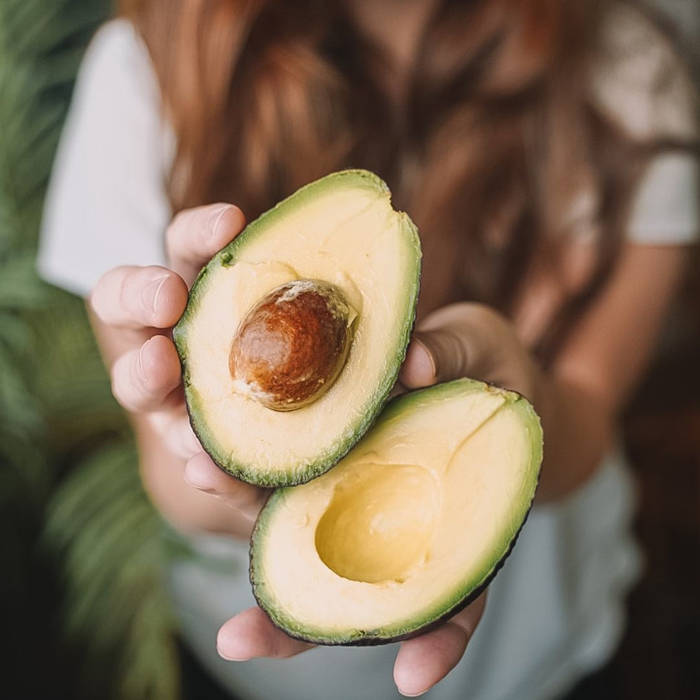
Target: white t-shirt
(555,612)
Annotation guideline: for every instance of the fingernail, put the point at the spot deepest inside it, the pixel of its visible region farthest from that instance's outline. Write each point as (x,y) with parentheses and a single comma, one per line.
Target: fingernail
(426,361)
(216,217)
(228,657)
(150,293)
(233,641)
(413,695)
(194,477)
(195,481)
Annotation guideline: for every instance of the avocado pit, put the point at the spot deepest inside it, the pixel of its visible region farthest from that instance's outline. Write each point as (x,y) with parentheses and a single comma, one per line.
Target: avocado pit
(292,345)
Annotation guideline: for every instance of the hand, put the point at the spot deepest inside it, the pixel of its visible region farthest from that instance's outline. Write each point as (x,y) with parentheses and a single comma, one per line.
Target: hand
(420,663)
(470,340)
(137,307)
(142,304)
(458,340)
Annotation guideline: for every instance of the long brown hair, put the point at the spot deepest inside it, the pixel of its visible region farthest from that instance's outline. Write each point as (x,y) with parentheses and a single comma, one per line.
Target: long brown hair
(496,135)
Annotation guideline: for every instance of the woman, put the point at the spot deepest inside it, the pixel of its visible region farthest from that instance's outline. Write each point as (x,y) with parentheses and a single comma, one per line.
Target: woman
(543,149)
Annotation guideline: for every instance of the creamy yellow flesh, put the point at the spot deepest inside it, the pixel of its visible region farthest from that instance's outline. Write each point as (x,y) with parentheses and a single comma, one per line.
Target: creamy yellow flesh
(350,238)
(394,527)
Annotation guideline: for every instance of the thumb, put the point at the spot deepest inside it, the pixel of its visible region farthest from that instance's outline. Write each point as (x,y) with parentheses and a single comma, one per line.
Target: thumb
(468,340)
(434,356)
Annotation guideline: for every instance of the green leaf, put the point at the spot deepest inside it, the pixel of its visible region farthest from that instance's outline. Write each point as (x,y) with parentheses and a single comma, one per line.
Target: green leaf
(90,577)
(110,544)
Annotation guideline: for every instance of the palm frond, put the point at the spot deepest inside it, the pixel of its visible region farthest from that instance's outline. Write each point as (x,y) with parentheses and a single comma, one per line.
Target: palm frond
(91,576)
(103,529)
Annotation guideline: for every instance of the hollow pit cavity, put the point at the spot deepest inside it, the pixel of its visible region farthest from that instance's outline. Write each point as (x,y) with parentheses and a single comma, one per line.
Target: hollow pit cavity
(379,523)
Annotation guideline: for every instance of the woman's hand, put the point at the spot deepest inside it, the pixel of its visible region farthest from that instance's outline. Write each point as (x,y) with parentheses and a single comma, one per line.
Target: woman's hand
(470,340)
(456,341)
(421,662)
(136,308)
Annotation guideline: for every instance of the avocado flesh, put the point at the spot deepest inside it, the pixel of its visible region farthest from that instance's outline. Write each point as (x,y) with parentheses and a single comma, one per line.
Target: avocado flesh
(341,229)
(408,527)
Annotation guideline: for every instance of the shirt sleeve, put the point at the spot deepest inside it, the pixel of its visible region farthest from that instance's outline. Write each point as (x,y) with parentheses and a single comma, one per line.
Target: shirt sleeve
(642,84)
(106,204)
(666,206)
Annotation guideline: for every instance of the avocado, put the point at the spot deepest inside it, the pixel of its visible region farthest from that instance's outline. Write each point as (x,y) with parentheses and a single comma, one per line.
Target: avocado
(409,527)
(294,333)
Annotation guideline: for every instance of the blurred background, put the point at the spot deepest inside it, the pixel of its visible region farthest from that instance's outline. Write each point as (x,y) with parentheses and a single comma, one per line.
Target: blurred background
(82,548)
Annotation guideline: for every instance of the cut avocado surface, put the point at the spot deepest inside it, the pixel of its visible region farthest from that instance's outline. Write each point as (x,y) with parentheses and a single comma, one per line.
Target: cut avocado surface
(341,234)
(409,527)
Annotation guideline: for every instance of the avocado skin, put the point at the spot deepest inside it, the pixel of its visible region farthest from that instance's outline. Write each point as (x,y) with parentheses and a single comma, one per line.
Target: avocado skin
(247,472)
(377,637)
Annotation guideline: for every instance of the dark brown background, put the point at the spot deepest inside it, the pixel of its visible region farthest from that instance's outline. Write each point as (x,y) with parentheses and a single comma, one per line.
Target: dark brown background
(659,658)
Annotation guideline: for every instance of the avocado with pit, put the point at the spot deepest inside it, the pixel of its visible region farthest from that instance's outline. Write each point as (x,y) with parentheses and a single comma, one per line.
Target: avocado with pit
(409,527)
(294,333)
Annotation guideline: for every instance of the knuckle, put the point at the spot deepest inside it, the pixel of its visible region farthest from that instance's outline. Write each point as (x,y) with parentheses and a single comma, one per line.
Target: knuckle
(185,232)
(125,289)
(178,220)
(102,299)
(185,220)
(485,314)
(172,233)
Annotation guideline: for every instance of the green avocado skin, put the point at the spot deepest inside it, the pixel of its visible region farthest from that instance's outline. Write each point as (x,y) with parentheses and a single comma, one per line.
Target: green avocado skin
(299,474)
(474,583)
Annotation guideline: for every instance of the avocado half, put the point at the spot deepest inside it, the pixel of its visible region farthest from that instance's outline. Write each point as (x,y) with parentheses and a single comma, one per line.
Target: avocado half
(340,230)
(409,527)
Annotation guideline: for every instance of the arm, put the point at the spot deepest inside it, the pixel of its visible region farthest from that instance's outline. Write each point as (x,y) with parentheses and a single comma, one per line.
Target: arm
(580,398)
(604,360)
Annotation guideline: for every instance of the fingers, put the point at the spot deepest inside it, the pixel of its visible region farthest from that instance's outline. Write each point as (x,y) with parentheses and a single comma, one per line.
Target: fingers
(138,297)
(427,659)
(144,378)
(420,664)
(250,635)
(204,475)
(434,357)
(195,235)
(175,430)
